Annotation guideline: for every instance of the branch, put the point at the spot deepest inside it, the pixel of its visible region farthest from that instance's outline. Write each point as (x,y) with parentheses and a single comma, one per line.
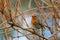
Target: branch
(28,30)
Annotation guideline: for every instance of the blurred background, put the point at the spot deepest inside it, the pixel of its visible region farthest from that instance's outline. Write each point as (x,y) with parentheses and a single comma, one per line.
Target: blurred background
(16,16)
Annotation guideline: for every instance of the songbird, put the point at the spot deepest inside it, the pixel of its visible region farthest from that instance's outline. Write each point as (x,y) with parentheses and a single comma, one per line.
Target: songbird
(35,21)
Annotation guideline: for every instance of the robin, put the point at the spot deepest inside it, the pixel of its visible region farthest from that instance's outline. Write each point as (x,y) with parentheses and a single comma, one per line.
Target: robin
(36,22)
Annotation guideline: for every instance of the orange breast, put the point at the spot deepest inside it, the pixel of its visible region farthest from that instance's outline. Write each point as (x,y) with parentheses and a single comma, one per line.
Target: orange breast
(33,20)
